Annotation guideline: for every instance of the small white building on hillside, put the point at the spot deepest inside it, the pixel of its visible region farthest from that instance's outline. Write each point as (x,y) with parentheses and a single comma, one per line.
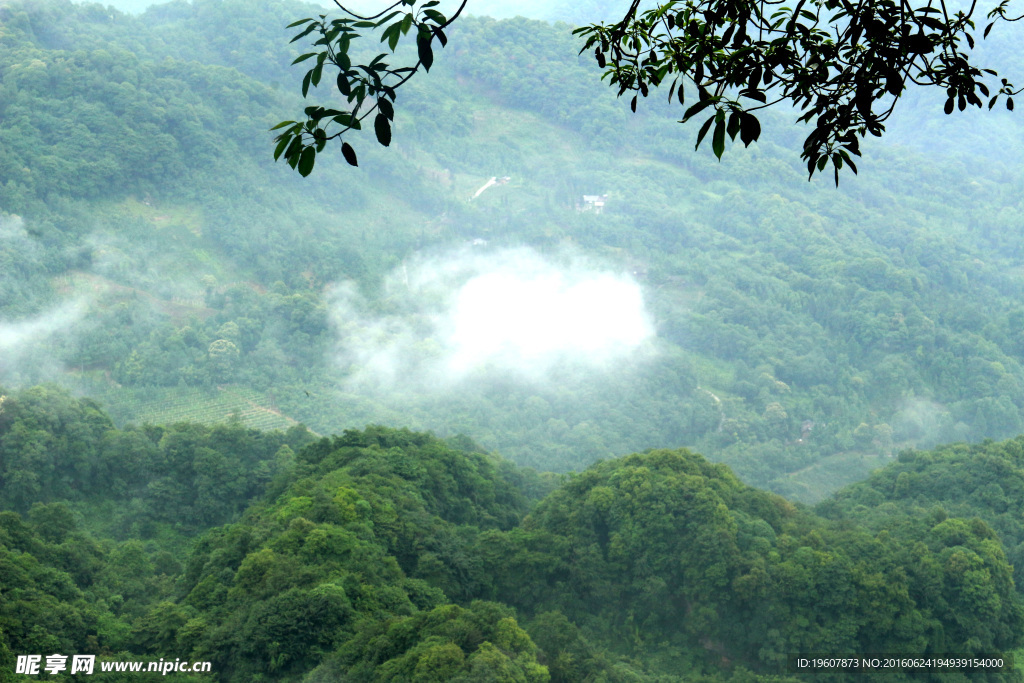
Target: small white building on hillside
(593,202)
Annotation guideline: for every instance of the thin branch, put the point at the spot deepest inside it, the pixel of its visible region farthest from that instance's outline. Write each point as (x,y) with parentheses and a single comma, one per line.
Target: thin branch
(370,18)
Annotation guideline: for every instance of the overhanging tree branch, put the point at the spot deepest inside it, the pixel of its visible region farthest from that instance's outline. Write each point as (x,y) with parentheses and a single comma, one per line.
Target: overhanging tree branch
(845,78)
(843,65)
(371,85)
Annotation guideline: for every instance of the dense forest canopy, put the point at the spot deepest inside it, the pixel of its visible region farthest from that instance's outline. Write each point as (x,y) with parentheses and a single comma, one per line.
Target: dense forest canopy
(391,555)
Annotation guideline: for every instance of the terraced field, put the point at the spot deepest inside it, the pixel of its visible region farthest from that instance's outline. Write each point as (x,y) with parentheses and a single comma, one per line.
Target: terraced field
(167,405)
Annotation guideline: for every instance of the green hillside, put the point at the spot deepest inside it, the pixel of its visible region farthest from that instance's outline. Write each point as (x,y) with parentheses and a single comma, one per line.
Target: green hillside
(803,334)
(391,555)
(536,394)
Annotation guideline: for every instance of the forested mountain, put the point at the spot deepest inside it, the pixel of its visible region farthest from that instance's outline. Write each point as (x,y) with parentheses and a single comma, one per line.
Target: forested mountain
(155,258)
(577,13)
(982,480)
(541,278)
(391,555)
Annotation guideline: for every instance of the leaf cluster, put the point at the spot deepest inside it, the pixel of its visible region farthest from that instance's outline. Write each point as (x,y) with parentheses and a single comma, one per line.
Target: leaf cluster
(369,89)
(842,64)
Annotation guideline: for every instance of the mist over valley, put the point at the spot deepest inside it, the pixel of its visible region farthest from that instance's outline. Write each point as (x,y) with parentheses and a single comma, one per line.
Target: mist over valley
(729,304)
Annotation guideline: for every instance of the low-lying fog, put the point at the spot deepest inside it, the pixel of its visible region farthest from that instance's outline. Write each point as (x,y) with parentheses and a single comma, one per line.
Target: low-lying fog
(467,315)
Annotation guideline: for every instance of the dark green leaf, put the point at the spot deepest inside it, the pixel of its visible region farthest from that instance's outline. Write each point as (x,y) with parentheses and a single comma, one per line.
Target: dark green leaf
(750,128)
(849,162)
(294,148)
(349,154)
(382,127)
(389,32)
(756,95)
(755,78)
(734,125)
(435,16)
(423,45)
(343,61)
(349,121)
(328,37)
(305,32)
(302,58)
(300,22)
(381,22)
(894,84)
(282,143)
(704,103)
(386,108)
(864,97)
(306,161)
(704,130)
(718,139)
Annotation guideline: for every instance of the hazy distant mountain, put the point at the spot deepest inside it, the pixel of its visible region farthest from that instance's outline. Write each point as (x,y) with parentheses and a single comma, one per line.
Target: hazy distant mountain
(573,12)
(559,10)
(132,6)
(810,333)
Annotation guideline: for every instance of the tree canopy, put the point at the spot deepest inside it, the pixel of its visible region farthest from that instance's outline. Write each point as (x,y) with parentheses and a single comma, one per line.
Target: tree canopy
(386,554)
(841,65)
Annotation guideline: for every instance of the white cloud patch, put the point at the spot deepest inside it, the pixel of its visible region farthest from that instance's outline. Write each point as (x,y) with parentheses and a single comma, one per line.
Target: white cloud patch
(20,340)
(470,315)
